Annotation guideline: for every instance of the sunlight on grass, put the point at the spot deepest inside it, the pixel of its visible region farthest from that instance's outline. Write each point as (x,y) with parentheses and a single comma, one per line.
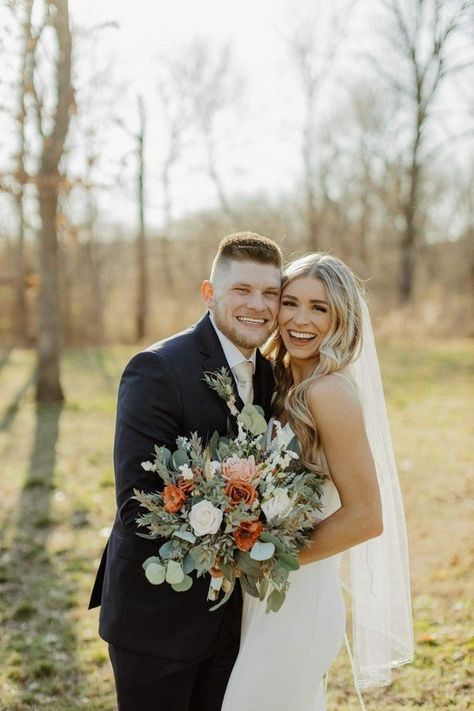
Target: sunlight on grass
(58,500)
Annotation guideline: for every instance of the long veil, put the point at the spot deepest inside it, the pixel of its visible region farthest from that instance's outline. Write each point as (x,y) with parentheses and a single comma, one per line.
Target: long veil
(379,583)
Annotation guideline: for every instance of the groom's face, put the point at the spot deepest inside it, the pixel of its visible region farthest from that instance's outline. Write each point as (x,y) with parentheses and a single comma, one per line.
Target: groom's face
(244,299)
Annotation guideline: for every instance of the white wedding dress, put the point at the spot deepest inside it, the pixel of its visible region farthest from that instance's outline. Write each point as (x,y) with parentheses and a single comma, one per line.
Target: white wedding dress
(284,656)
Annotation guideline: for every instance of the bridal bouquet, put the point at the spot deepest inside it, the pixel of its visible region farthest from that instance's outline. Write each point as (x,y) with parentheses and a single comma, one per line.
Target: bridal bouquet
(240,504)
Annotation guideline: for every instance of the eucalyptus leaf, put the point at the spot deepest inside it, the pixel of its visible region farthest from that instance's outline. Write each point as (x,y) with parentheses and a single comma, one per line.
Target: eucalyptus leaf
(188,563)
(155,573)
(184,585)
(148,536)
(262,588)
(252,420)
(288,561)
(248,585)
(163,454)
(229,571)
(178,459)
(214,444)
(262,551)
(186,536)
(174,572)
(247,565)
(268,538)
(167,549)
(275,600)
(151,559)
(223,601)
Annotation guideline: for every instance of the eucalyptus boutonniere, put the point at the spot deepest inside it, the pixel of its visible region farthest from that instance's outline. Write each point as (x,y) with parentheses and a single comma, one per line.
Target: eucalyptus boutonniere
(222,383)
(251,418)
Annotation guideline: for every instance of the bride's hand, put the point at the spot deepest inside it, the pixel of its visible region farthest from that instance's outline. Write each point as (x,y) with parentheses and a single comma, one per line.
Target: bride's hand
(303,556)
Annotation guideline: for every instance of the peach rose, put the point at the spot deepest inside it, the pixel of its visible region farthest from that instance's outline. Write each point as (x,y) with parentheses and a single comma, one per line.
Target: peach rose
(173,498)
(247,533)
(242,469)
(238,490)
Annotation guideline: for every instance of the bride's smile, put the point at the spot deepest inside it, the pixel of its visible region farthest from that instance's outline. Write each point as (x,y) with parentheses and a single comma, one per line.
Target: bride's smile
(304,319)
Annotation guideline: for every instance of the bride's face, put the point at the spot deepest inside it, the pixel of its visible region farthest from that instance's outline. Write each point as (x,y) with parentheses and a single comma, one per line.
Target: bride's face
(304,318)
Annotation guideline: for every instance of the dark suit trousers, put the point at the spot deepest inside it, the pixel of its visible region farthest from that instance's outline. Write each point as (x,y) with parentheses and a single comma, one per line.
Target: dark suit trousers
(145,683)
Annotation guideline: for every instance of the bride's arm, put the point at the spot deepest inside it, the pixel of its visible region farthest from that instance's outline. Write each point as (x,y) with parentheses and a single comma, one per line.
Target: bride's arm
(339,421)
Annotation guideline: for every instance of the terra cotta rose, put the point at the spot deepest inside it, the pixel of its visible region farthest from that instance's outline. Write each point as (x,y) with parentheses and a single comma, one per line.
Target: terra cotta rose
(236,468)
(173,498)
(185,485)
(247,534)
(239,490)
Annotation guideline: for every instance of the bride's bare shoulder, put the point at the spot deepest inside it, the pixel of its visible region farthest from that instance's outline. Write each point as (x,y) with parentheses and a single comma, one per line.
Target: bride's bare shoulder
(332,394)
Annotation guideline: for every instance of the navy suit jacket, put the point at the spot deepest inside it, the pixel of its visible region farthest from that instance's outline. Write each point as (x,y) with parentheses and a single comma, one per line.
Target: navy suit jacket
(162,395)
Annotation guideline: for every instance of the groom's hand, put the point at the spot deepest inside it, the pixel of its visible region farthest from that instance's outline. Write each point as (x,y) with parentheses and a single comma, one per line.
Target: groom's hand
(215,571)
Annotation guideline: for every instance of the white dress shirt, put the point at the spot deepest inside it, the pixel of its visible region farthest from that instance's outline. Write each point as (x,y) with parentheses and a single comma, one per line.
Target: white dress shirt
(233,355)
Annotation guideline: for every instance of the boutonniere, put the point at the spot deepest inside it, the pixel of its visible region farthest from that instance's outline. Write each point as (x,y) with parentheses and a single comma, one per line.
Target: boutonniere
(222,383)
(251,418)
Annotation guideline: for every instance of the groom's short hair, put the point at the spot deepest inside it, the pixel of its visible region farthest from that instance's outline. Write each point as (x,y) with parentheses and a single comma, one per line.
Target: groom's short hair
(247,246)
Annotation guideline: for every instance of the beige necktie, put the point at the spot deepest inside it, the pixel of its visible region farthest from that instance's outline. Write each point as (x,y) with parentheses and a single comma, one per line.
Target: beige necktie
(244,372)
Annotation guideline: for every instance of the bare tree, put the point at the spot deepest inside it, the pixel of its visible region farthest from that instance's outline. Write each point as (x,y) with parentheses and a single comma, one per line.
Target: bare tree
(21,176)
(96,116)
(141,251)
(176,110)
(214,86)
(15,179)
(48,386)
(423,35)
(177,114)
(313,53)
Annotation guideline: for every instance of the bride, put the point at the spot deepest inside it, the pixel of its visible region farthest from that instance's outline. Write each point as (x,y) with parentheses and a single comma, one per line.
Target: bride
(329,395)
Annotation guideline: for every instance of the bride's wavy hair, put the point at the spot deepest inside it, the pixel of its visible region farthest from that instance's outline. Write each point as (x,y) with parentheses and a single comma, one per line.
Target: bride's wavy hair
(338,348)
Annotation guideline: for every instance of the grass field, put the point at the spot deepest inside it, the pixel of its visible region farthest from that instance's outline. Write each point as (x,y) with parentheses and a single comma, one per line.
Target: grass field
(57,502)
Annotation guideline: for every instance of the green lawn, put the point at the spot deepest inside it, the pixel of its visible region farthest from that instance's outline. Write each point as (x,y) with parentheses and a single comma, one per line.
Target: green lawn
(58,500)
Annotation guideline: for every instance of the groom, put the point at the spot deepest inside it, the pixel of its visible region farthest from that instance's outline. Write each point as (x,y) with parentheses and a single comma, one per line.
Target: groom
(168,652)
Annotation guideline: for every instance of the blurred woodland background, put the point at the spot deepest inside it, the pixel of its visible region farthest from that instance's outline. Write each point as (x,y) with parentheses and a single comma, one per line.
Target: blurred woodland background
(382,170)
(133,137)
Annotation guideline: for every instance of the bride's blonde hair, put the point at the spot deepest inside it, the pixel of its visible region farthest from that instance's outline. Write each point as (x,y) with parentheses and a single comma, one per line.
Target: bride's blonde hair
(338,348)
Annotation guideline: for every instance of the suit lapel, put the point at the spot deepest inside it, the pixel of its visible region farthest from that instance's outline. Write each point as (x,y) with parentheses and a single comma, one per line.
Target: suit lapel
(213,359)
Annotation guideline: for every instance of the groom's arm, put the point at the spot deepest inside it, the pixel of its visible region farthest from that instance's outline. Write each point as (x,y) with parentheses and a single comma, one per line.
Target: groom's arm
(149,413)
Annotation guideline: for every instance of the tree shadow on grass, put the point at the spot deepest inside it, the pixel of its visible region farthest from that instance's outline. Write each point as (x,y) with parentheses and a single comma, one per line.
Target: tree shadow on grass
(13,407)
(5,356)
(41,651)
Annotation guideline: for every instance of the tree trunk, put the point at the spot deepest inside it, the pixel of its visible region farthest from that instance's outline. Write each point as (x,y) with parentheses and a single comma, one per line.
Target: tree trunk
(308,156)
(142,280)
(20,310)
(93,260)
(410,237)
(48,386)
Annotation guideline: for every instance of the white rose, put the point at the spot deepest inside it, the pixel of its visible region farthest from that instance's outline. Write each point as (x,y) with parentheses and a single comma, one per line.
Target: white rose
(205,518)
(279,504)
(186,471)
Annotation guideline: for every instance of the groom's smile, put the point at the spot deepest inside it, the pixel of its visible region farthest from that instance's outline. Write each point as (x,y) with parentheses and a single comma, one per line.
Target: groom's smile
(248,319)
